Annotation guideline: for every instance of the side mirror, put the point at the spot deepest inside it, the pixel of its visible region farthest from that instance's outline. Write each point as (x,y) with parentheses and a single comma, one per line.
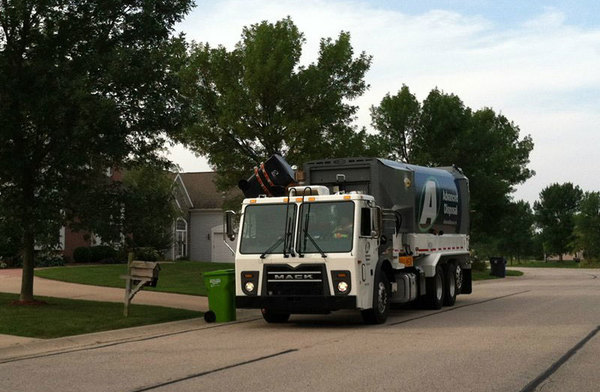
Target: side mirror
(230,222)
(377,215)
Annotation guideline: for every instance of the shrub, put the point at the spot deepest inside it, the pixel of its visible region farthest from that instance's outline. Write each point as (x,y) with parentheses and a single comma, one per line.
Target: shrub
(103,254)
(477,264)
(590,263)
(49,259)
(12,261)
(96,254)
(147,254)
(82,254)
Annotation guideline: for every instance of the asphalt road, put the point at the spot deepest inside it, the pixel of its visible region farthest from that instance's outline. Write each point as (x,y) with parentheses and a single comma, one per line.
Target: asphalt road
(539,332)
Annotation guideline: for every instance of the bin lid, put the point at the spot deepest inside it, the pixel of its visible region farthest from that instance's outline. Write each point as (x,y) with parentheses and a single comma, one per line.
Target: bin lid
(220,272)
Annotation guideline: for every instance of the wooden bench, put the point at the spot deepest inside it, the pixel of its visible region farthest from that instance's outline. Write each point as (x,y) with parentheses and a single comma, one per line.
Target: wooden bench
(140,274)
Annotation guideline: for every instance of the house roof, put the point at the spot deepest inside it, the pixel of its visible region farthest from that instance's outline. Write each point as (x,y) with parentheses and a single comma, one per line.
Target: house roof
(202,190)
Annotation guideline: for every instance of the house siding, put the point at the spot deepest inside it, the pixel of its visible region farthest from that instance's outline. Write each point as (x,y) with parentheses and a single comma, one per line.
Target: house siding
(74,240)
(201,223)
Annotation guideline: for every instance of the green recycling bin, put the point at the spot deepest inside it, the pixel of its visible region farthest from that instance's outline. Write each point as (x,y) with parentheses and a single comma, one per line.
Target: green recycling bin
(221,295)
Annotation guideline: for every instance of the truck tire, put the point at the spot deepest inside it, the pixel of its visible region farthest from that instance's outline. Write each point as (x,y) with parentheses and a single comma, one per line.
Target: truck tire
(273,317)
(459,279)
(381,300)
(450,286)
(434,290)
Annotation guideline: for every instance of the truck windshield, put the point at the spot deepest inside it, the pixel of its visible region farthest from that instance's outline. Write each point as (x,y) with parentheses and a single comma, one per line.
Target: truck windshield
(325,227)
(264,227)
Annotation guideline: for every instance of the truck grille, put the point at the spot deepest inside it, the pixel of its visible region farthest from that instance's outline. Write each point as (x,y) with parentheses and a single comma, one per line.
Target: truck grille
(283,280)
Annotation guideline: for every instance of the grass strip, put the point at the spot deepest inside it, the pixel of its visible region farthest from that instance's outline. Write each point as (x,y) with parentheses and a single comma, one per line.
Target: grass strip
(182,277)
(66,317)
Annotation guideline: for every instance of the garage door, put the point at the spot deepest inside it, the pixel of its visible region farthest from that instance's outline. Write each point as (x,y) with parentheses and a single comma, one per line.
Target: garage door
(220,253)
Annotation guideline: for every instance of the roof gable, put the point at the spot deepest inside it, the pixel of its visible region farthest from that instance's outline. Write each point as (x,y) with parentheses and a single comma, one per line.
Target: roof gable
(201,190)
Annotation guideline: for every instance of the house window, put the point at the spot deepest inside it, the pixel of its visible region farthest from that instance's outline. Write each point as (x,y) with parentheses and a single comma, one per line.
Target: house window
(181,228)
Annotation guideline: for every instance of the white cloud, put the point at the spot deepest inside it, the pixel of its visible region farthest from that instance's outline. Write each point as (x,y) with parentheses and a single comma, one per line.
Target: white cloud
(543,74)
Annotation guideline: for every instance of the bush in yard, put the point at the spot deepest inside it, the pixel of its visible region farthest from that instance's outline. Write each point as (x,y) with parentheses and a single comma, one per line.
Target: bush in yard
(49,259)
(12,261)
(147,254)
(82,254)
(590,263)
(103,254)
(477,264)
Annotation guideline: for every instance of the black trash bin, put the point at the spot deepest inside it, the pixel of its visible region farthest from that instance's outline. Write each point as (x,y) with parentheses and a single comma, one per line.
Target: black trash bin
(498,267)
(270,178)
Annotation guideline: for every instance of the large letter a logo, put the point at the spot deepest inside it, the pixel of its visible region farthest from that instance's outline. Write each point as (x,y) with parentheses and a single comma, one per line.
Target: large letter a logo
(429,209)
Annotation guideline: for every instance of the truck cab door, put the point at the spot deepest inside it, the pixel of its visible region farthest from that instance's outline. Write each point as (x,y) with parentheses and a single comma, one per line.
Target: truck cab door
(367,253)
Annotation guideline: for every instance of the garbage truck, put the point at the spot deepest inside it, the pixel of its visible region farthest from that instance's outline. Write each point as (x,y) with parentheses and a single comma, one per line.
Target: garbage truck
(350,233)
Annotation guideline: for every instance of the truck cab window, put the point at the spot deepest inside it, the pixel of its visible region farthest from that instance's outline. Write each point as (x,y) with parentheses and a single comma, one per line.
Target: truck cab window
(264,227)
(326,227)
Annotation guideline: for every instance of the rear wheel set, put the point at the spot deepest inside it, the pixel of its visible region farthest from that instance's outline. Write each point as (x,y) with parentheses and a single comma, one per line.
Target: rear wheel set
(442,288)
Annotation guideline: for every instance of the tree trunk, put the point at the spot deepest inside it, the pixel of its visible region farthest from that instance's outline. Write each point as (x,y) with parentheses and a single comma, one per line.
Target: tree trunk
(28,263)
(28,245)
(560,257)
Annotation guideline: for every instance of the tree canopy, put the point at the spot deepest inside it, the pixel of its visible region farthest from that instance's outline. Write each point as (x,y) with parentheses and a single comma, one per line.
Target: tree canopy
(257,100)
(84,86)
(587,227)
(555,215)
(516,238)
(442,131)
(148,189)
(397,120)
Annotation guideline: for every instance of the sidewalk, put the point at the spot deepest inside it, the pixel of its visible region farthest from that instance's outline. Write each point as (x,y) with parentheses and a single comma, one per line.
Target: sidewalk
(10,282)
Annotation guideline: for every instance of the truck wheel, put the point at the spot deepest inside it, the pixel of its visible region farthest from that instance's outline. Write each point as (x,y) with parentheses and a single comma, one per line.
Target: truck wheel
(271,316)
(274,317)
(459,279)
(450,287)
(381,300)
(434,290)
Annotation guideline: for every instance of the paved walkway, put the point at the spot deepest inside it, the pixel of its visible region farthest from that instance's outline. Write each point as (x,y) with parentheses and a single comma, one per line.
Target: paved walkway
(10,282)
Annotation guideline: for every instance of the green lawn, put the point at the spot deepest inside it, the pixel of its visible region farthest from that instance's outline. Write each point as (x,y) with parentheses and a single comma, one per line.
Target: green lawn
(183,277)
(484,275)
(66,317)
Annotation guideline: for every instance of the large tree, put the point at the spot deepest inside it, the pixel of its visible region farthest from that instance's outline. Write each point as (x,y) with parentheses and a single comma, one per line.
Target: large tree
(136,209)
(485,145)
(555,214)
(587,225)
(516,238)
(257,100)
(84,86)
(397,120)
(148,189)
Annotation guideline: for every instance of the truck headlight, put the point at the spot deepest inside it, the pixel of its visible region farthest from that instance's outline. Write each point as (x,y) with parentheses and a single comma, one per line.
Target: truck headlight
(341,282)
(249,282)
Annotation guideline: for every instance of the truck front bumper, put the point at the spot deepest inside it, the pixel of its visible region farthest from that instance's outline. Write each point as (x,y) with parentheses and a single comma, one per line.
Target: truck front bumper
(297,304)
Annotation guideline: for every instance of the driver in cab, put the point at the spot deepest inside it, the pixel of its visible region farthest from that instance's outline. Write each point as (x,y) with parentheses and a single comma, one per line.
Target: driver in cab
(344,229)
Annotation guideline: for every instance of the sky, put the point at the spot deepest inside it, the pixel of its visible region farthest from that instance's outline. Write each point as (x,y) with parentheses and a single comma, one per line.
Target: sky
(535,62)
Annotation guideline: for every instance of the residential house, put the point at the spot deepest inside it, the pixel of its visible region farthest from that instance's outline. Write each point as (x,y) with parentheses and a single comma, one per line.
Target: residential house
(198,231)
